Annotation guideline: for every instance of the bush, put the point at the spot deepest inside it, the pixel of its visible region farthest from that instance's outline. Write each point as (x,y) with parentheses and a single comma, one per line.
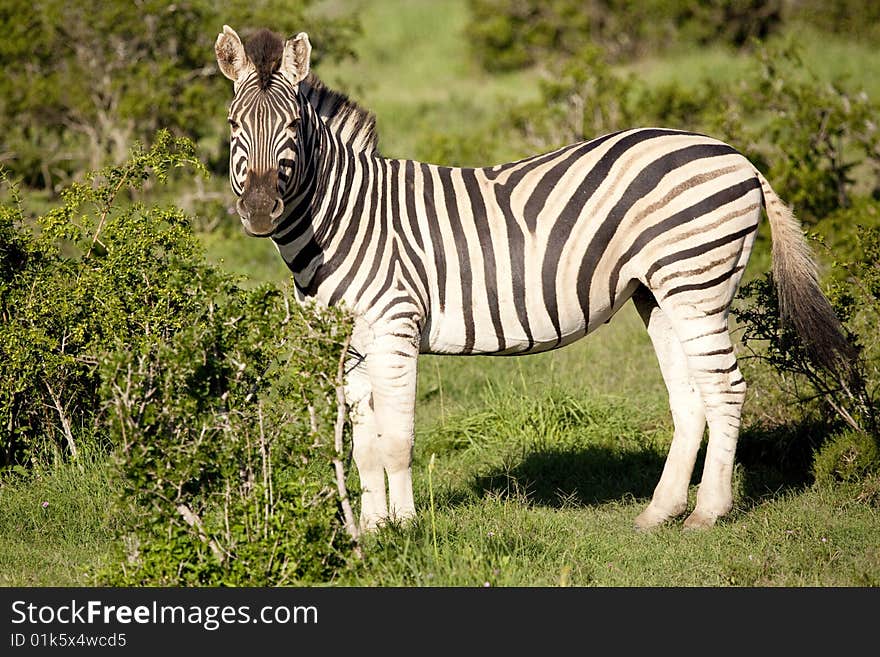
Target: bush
(847,408)
(584,98)
(514,34)
(218,404)
(851,456)
(89,274)
(814,135)
(83,80)
(225,440)
(857,19)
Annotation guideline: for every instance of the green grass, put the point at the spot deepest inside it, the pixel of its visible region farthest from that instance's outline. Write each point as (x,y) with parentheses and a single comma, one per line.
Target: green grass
(616,360)
(55,524)
(415,72)
(535,489)
(256,260)
(796,540)
(827,56)
(543,492)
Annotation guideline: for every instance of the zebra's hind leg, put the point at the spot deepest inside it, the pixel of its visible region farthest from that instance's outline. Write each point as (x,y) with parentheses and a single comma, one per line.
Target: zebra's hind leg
(689,420)
(724,390)
(712,364)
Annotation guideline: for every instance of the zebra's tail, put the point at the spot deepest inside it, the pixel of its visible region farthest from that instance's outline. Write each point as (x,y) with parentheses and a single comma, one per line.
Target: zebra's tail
(801,301)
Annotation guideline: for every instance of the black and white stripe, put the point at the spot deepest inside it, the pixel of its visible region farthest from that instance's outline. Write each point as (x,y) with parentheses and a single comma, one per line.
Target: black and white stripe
(521,257)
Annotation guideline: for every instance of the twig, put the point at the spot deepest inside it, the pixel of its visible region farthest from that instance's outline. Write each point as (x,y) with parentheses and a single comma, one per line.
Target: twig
(267,480)
(191,519)
(844,414)
(104,213)
(348,515)
(65,423)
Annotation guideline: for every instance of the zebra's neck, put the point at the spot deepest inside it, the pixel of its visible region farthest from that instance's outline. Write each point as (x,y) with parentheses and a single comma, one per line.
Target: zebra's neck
(332,183)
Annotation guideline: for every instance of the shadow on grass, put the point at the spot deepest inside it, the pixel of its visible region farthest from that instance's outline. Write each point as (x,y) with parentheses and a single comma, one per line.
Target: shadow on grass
(575,477)
(777,459)
(772,461)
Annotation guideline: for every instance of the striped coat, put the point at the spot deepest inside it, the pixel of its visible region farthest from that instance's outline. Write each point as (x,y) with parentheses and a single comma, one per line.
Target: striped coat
(530,256)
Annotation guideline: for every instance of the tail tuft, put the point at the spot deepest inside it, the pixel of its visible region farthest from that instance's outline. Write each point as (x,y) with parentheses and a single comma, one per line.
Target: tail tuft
(801,301)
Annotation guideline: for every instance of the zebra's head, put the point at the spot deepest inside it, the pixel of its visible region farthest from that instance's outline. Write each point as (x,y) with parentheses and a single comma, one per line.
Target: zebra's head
(264,118)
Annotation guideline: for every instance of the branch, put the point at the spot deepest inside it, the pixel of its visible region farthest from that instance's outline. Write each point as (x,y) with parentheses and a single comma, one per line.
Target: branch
(350,525)
(267,477)
(191,519)
(105,211)
(844,414)
(65,423)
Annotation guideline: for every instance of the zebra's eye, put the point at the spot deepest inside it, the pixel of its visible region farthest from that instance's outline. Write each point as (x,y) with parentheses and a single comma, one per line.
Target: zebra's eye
(233,124)
(293,125)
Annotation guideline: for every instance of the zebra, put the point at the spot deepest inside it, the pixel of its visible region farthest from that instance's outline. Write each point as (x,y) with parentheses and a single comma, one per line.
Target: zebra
(511,259)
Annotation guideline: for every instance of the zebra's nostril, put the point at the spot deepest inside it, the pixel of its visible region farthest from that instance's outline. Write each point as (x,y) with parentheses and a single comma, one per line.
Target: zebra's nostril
(242,210)
(277,209)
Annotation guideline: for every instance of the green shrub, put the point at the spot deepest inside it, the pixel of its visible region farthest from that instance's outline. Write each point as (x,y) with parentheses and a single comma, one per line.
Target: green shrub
(857,19)
(225,438)
(850,456)
(513,34)
(93,272)
(815,136)
(218,404)
(83,80)
(848,407)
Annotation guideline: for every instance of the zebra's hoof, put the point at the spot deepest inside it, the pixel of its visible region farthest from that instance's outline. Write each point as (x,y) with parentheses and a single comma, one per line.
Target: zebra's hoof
(700,520)
(652,517)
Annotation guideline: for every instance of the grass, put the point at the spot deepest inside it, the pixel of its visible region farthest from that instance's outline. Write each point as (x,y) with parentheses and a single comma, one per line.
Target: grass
(415,72)
(255,260)
(537,488)
(541,463)
(542,492)
(797,540)
(55,524)
(593,366)
(828,56)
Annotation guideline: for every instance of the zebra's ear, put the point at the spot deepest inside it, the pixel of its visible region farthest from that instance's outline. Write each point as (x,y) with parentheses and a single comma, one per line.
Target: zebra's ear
(231,57)
(295,61)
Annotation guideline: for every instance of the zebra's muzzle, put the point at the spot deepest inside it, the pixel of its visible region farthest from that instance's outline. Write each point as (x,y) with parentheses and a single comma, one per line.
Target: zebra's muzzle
(260,205)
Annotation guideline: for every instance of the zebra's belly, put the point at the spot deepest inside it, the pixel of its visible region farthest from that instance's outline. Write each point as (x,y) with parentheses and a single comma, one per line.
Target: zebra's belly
(508,333)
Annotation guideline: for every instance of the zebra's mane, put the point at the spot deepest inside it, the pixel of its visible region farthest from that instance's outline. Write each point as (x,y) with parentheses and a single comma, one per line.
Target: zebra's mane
(354,125)
(265,49)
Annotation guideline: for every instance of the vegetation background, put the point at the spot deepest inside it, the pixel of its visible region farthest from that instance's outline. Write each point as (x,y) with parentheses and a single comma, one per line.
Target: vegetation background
(167,415)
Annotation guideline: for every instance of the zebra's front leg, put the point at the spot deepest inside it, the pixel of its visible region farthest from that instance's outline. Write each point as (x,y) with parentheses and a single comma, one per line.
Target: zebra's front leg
(366,452)
(391,365)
